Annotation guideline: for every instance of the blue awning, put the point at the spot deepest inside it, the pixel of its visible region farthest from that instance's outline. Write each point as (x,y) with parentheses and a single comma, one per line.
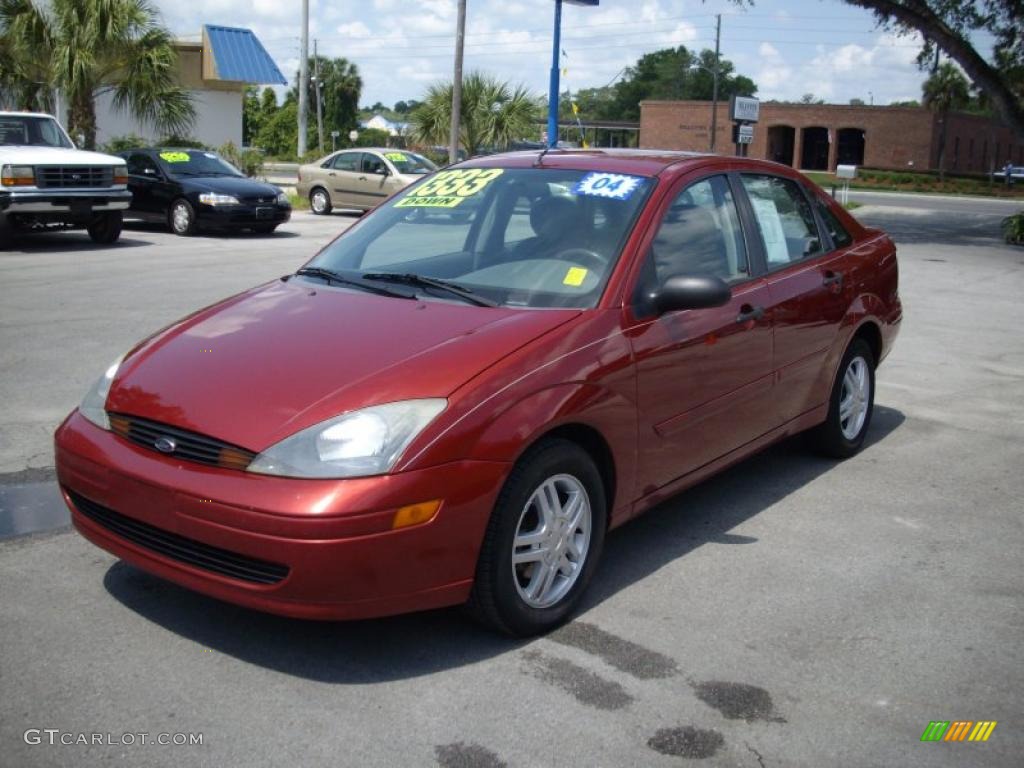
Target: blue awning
(240,57)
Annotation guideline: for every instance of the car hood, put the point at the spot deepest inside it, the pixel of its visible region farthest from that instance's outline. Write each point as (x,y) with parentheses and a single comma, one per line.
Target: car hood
(55,156)
(228,185)
(262,365)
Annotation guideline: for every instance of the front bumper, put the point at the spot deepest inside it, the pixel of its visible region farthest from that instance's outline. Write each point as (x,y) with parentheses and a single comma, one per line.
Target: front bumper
(64,201)
(333,536)
(241,216)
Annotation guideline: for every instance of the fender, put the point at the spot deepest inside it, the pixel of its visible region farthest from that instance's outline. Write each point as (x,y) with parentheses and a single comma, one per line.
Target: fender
(572,404)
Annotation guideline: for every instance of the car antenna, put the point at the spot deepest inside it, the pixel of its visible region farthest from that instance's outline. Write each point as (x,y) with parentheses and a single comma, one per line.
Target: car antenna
(540,158)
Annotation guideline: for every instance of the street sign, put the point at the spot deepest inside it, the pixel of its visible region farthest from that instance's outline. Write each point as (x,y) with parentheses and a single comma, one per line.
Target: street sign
(743,134)
(744,109)
(353,135)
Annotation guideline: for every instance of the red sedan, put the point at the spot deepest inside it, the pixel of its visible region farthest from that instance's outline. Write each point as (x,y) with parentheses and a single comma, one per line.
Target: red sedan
(455,400)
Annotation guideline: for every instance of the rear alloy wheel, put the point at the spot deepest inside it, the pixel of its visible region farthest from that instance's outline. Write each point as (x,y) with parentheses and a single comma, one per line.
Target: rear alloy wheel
(106,227)
(851,404)
(182,218)
(543,541)
(320,201)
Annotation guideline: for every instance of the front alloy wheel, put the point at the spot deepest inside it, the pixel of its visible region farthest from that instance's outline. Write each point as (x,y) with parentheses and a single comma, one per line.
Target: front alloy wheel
(543,541)
(183,218)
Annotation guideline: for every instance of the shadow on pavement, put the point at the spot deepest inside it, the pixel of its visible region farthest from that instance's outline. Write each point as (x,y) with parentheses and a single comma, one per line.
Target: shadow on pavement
(69,242)
(930,227)
(149,226)
(418,644)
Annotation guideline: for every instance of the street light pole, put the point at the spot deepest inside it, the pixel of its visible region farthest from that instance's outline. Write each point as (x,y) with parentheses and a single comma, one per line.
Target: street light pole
(460,40)
(303,78)
(714,87)
(319,101)
(553,87)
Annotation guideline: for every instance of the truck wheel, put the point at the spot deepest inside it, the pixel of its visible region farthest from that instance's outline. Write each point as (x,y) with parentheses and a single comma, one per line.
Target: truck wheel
(6,234)
(182,218)
(106,228)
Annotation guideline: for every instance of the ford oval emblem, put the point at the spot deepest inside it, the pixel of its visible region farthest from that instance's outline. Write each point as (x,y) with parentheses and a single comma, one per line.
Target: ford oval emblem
(165,445)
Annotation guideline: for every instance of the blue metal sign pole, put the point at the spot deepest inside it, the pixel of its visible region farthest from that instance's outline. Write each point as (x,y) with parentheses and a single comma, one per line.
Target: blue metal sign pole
(553,90)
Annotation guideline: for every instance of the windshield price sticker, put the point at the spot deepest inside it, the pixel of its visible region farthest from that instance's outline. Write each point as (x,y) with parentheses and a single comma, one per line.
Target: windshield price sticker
(614,186)
(446,189)
(175,157)
(575,276)
(397,157)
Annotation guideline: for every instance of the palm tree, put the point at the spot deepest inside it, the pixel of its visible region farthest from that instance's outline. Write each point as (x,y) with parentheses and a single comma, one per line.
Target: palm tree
(947,89)
(86,48)
(494,113)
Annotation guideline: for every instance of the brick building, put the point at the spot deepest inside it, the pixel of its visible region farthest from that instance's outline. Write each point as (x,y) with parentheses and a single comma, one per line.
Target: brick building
(819,136)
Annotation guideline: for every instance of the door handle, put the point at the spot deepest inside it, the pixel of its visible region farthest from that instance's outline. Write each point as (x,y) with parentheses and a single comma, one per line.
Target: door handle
(748,313)
(832,278)
(332,173)
(362,178)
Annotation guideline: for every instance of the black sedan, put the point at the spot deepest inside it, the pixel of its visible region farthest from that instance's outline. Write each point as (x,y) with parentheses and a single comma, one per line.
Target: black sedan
(193,189)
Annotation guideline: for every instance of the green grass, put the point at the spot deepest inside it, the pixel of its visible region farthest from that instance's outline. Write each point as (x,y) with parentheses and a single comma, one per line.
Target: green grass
(299,202)
(916,181)
(852,206)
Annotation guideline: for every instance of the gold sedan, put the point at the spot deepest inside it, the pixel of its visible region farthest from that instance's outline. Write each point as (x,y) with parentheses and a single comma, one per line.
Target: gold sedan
(360,179)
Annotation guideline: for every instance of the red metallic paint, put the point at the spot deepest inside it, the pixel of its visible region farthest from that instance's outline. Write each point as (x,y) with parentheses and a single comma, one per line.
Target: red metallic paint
(672,399)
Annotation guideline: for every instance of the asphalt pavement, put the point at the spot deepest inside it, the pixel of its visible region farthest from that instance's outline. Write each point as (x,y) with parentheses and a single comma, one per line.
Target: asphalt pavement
(790,612)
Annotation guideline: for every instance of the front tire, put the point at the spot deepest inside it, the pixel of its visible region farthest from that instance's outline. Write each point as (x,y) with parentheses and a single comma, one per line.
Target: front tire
(264,229)
(106,228)
(850,406)
(182,218)
(320,201)
(543,541)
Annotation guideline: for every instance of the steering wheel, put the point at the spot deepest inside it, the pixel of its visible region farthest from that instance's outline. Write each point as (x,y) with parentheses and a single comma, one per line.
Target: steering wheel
(584,256)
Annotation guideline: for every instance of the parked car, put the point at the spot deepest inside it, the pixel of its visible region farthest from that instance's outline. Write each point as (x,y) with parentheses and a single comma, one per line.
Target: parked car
(194,189)
(435,411)
(360,179)
(46,183)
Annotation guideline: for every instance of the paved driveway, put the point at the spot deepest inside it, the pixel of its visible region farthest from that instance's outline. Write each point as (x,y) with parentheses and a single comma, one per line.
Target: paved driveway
(790,612)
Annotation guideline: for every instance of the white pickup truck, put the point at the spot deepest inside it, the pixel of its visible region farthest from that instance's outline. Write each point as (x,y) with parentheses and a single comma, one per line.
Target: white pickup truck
(46,183)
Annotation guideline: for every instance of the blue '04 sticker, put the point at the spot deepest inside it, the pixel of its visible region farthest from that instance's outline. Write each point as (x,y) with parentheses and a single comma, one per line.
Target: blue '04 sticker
(615,186)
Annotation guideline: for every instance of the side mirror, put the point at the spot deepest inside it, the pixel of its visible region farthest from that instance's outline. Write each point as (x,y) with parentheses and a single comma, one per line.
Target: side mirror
(689,292)
(382,171)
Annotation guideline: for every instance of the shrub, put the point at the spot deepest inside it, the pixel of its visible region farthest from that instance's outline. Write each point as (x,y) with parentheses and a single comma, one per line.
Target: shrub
(1013,229)
(183,142)
(248,161)
(122,143)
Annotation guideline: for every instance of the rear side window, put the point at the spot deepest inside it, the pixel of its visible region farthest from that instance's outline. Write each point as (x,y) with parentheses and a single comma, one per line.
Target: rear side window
(840,237)
(347,161)
(784,219)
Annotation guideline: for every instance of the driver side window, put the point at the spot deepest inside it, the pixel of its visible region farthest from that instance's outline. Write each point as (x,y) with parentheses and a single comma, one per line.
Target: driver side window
(700,235)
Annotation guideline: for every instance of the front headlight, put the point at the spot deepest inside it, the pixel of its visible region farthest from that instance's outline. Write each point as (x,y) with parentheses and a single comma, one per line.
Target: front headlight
(94,403)
(355,444)
(282,199)
(18,176)
(212,198)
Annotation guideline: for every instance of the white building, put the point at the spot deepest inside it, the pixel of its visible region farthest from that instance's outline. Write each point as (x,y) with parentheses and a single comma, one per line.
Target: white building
(215,71)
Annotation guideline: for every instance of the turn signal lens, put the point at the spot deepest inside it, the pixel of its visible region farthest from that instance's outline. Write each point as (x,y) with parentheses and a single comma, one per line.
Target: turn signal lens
(120,174)
(18,176)
(416,514)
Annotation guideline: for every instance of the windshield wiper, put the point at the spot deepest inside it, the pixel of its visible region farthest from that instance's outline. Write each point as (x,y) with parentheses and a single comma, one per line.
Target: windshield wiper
(336,277)
(454,289)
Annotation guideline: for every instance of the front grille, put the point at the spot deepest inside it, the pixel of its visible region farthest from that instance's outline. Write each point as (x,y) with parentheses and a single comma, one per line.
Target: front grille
(182,443)
(179,548)
(74,176)
(258,199)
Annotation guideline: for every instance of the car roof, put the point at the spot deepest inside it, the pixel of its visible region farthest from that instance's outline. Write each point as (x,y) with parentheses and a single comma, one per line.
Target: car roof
(7,113)
(643,162)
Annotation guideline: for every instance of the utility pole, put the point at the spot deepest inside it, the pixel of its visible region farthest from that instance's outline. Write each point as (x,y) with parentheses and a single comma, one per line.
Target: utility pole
(714,87)
(319,101)
(460,40)
(303,78)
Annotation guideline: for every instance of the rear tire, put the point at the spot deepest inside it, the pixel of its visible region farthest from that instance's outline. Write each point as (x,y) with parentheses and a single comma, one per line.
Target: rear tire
(543,541)
(320,201)
(182,218)
(106,228)
(850,406)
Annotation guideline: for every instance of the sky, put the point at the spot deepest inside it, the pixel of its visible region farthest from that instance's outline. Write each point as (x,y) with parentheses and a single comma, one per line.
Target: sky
(788,47)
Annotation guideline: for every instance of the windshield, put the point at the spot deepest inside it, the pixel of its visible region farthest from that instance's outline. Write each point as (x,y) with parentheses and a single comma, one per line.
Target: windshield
(187,162)
(410,163)
(521,237)
(32,131)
